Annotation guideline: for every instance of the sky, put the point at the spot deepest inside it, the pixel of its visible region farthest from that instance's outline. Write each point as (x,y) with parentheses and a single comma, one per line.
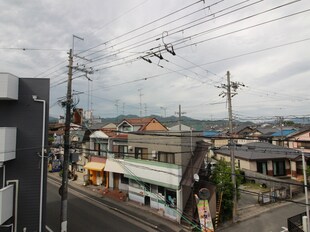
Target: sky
(148,57)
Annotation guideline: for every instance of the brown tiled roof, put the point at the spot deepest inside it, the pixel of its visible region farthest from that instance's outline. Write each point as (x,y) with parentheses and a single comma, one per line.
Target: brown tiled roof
(121,136)
(139,121)
(142,122)
(109,132)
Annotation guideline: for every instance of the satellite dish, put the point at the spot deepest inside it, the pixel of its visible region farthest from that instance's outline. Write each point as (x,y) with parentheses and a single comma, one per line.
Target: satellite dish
(196,177)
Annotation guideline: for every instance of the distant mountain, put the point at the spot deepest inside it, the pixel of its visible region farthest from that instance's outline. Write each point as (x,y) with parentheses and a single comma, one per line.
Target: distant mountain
(173,120)
(53,119)
(304,120)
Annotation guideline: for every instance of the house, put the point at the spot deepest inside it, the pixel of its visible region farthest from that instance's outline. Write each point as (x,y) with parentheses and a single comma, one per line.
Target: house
(98,151)
(279,137)
(300,140)
(215,138)
(153,165)
(264,158)
(140,124)
(249,134)
(23,138)
(158,167)
(118,148)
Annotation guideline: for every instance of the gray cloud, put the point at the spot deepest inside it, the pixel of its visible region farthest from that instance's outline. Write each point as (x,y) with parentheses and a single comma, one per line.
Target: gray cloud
(276,77)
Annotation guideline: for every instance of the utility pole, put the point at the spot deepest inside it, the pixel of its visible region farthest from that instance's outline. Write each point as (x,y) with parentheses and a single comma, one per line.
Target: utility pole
(140,95)
(145,109)
(280,121)
(231,148)
(64,185)
(180,114)
(164,109)
(230,91)
(65,167)
(116,104)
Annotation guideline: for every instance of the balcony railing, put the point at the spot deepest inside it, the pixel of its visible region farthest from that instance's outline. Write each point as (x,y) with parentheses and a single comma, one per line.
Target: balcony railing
(294,224)
(6,203)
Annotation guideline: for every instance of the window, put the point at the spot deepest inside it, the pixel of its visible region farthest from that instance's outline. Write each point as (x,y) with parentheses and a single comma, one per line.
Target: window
(279,168)
(141,153)
(166,157)
(101,149)
(305,145)
(147,187)
(161,190)
(262,167)
(124,180)
(134,184)
(171,198)
(138,152)
(122,151)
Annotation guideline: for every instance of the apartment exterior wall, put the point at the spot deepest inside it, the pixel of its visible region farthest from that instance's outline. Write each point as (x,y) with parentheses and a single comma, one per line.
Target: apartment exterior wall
(26,115)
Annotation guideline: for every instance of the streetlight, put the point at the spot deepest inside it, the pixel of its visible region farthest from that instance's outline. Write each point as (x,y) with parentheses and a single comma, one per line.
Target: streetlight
(35,98)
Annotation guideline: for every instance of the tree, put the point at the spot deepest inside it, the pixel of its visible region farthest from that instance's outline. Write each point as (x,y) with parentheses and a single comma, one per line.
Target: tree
(221,177)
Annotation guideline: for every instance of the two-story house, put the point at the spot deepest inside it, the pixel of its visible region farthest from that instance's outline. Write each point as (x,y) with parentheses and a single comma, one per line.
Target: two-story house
(119,148)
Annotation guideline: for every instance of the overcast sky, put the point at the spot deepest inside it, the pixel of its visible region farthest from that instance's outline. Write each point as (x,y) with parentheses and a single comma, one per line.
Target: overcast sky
(264,44)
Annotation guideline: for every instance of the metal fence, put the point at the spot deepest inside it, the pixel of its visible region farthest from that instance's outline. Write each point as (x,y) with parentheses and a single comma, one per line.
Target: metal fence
(272,196)
(294,224)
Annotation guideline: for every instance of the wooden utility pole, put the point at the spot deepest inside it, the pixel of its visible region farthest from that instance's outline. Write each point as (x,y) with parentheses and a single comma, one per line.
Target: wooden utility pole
(65,167)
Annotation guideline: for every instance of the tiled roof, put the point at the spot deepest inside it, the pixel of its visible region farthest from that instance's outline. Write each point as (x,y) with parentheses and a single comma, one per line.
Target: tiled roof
(283,132)
(139,121)
(260,151)
(121,136)
(211,133)
(142,122)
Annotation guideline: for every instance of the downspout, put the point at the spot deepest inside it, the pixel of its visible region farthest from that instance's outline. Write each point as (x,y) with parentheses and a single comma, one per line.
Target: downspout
(35,98)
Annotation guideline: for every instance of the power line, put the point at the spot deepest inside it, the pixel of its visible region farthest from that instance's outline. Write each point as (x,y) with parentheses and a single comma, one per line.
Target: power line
(145,25)
(177,42)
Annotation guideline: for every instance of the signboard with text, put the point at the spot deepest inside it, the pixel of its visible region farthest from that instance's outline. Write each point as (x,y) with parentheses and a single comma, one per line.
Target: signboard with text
(205,216)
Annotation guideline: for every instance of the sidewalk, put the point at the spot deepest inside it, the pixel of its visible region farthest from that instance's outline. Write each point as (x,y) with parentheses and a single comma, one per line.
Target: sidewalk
(119,201)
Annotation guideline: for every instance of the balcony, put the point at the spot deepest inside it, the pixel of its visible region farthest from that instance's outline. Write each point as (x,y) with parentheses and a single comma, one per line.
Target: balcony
(8,87)
(6,203)
(7,143)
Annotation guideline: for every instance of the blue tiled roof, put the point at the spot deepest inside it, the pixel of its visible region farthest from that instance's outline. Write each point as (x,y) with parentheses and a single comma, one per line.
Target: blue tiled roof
(283,132)
(210,133)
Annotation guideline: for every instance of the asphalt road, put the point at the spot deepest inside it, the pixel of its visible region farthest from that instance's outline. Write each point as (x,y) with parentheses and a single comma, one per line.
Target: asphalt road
(274,220)
(87,215)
